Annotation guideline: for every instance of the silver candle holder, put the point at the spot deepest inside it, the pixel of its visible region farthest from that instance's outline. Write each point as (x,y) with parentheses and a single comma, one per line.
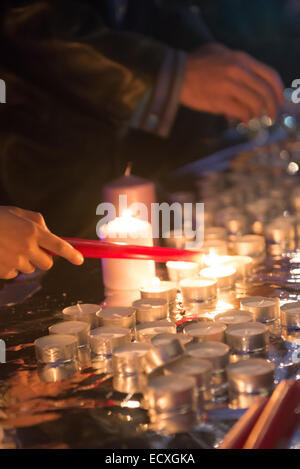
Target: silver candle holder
(204,331)
(56,348)
(247,338)
(264,309)
(145,331)
(85,312)
(117,316)
(151,309)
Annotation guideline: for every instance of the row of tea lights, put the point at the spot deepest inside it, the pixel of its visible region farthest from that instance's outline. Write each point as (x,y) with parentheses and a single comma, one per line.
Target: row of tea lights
(176,372)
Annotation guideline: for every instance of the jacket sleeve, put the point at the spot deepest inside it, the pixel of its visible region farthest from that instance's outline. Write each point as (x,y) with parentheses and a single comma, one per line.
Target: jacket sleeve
(106,74)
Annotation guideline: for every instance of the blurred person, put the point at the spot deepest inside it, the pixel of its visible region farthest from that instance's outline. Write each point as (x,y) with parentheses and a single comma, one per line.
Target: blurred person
(81,75)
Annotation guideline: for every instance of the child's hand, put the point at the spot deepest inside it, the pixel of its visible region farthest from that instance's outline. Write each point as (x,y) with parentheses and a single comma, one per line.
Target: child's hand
(24,240)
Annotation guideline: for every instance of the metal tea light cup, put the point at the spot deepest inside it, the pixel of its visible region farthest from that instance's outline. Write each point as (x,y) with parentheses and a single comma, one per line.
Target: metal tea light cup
(151,309)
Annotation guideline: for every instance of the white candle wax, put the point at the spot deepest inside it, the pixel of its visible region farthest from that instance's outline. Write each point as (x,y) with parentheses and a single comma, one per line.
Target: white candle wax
(181,270)
(198,289)
(225,275)
(127,274)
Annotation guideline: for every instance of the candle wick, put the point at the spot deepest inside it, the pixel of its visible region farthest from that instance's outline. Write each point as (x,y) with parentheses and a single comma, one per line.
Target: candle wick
(79,307)
(128,169)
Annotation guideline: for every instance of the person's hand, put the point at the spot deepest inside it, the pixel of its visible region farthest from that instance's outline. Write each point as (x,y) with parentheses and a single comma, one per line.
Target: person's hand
(26,243)
(221,81)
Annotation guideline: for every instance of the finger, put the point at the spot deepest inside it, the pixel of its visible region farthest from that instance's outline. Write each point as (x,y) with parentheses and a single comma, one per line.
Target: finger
(267,73)
(234,109)
(58,246)
(25,266)
(8,274)
(40,259)
(255,84)
(247,97)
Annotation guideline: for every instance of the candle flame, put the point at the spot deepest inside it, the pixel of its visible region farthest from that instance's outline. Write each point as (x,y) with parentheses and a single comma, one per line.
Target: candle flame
(127,213)
(156,282)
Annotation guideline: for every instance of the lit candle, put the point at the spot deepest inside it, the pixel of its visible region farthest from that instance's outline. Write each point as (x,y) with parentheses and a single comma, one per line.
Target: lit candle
(117,316)
(126,274)
(250,245)
(252,337)
(198,289)
(264,309)
(181,270)
(225,275)
(159,289)
(235,316)
(79,329)
(145,331)
(215,232)
(215,246)
(242,264)
(206,331)
(85,312)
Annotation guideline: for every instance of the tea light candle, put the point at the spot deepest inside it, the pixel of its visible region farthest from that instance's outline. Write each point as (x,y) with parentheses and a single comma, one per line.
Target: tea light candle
(104,340)
(250,245)
(127,274)
(56,348)
(242,264)
(206,331)
(117,316)
(85,312)
(216,353)
(151,309)
(145,331)
(234,316)
(279,232)
(215,232)
(181,270)
(215,246)
(255,375)
(199,369)
(225,275)
(290,315)
(199,289)
(128,369)
(159,339)
(159,289)
(166,394)
(79,329)
(263,309)
(250,337)
(167,348)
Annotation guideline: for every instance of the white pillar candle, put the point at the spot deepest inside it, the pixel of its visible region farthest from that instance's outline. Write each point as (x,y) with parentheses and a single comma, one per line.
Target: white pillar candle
(86,312)
(181,270)
(225,275)
(135,188)
(127,274)
(198,289)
